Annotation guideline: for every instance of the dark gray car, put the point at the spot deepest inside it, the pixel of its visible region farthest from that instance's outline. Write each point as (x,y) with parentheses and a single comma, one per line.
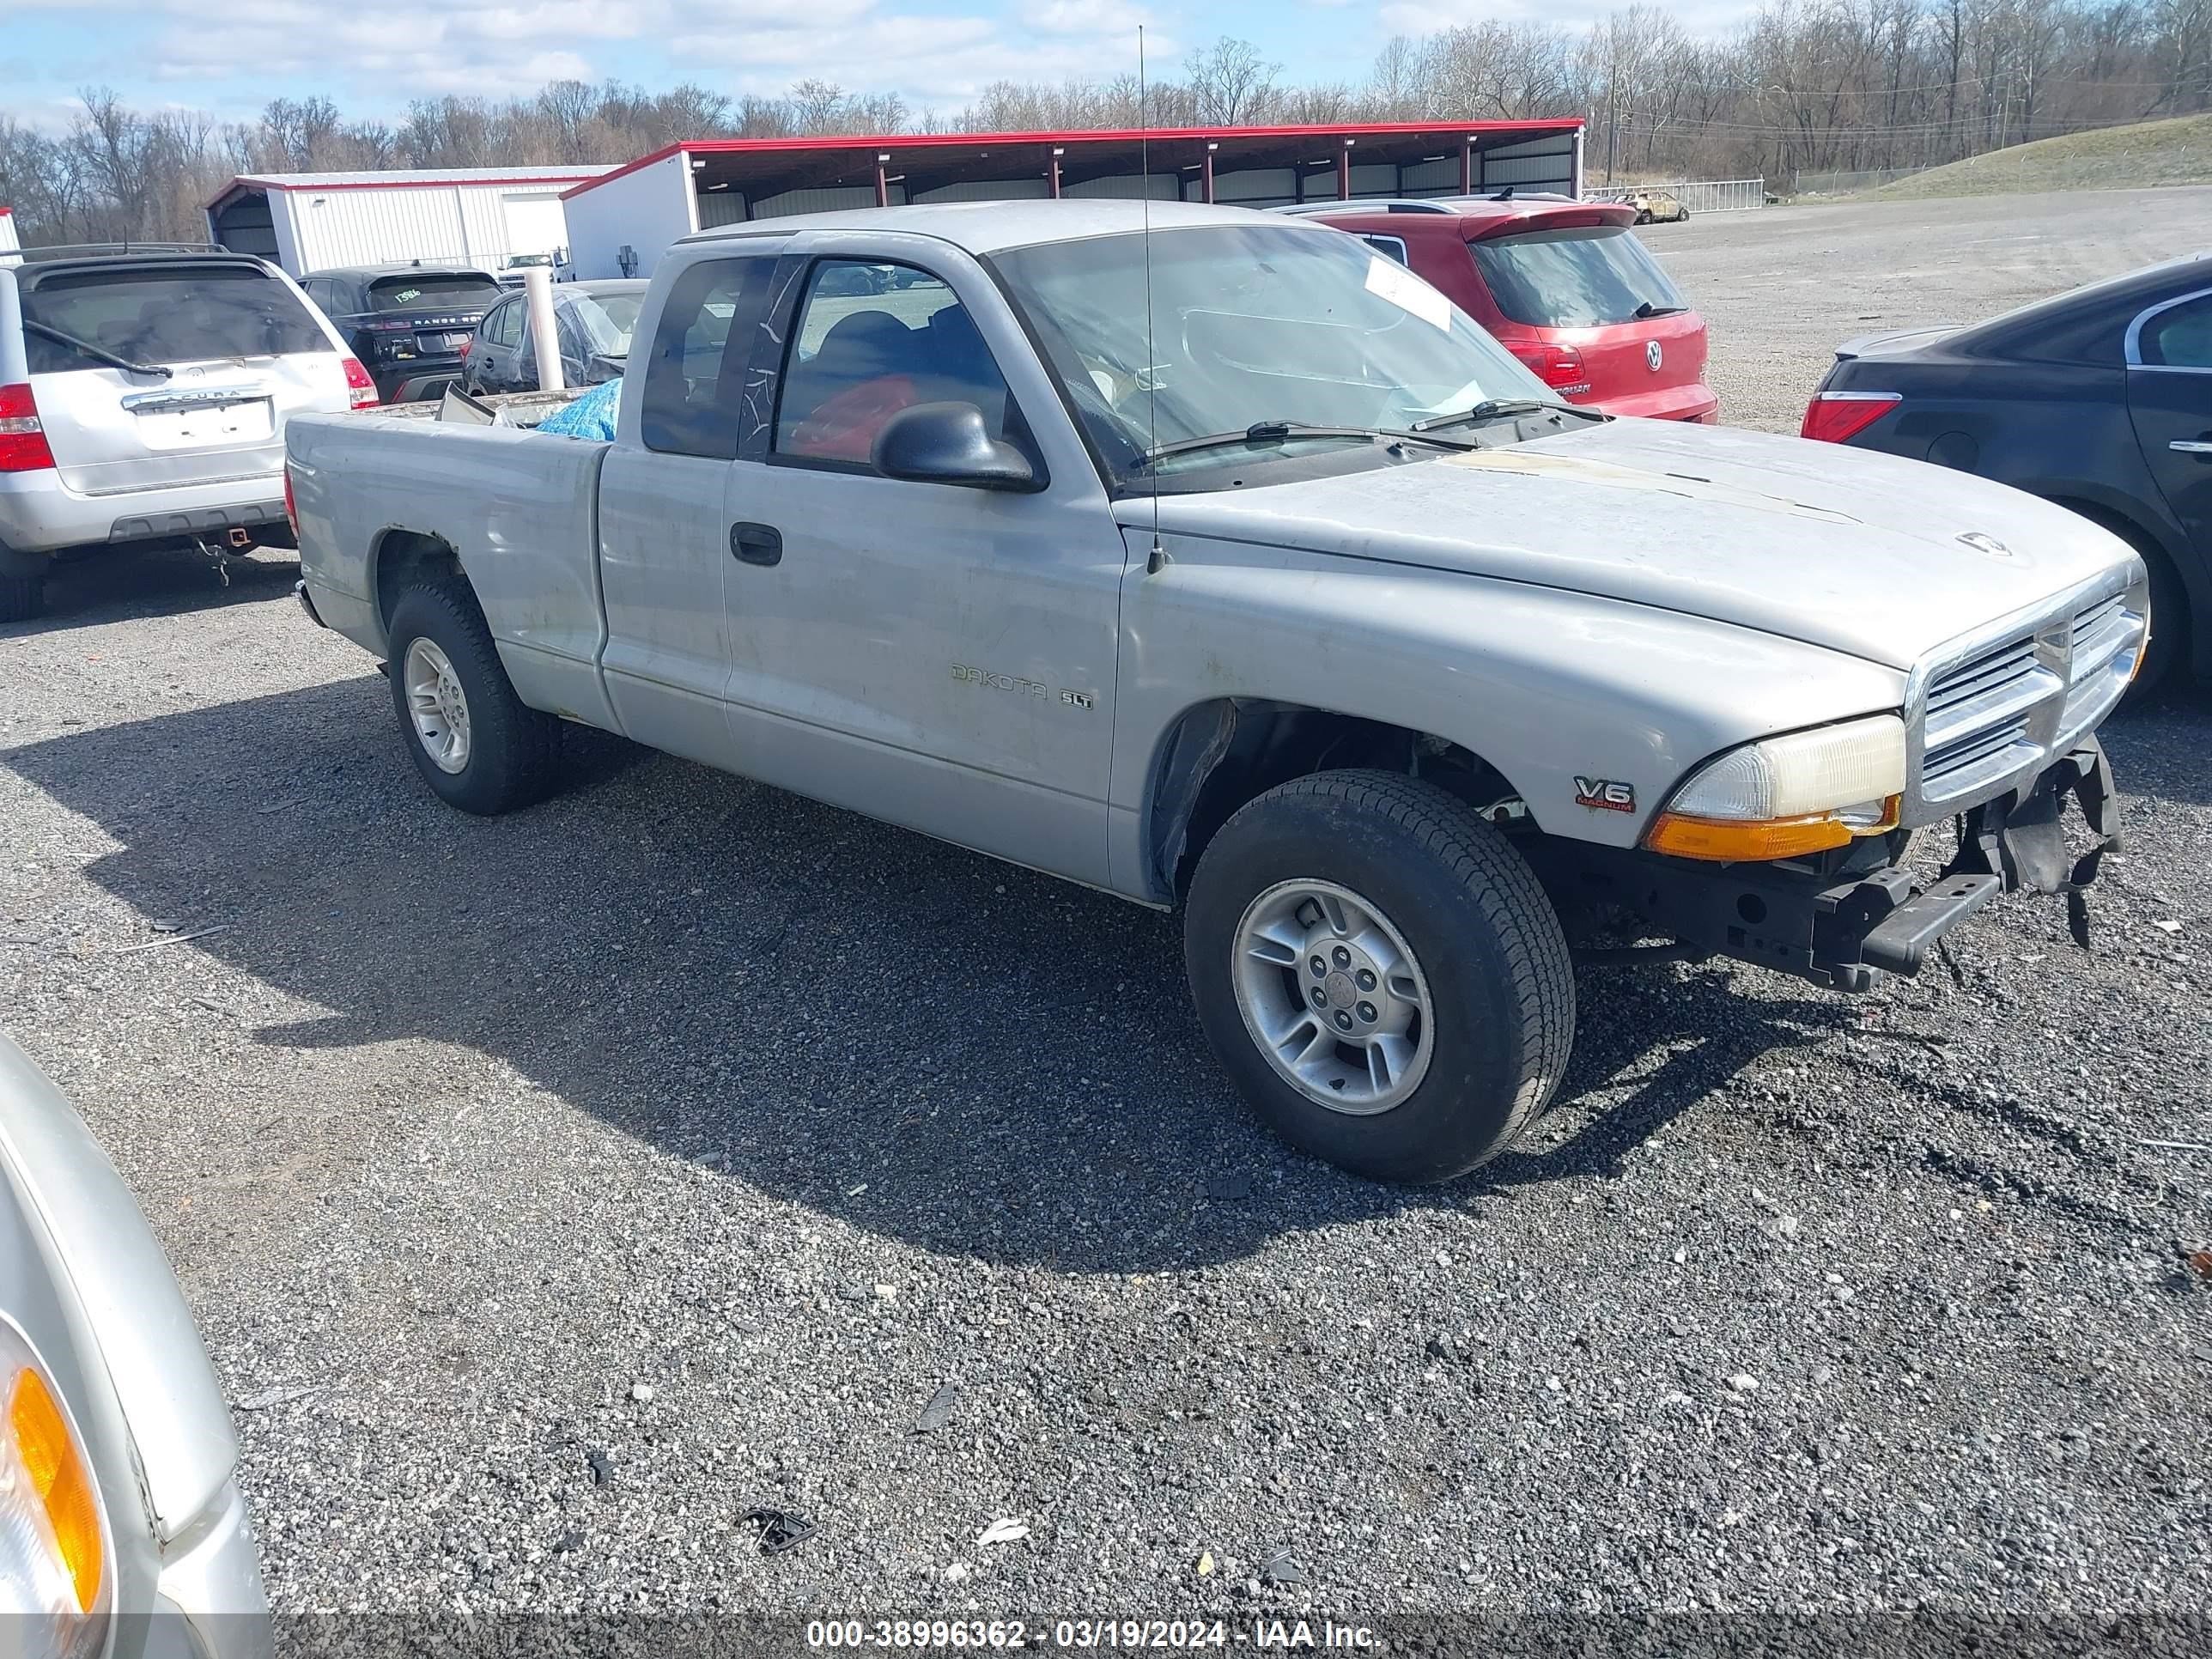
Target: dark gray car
(2099,400)
(595,320)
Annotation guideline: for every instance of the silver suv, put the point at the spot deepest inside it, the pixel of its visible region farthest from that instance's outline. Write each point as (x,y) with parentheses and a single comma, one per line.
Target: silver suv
(144,396)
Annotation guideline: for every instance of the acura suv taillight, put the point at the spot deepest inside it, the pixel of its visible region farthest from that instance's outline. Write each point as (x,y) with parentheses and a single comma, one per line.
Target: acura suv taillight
(22,440)
(360,390)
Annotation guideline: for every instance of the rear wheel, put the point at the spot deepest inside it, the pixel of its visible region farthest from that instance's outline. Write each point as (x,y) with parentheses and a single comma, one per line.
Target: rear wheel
(21,597)
(479,746)
(1379,973)
(2168,620)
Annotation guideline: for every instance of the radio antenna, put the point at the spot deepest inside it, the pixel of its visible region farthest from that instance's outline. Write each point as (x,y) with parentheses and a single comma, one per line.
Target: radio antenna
(1156,559)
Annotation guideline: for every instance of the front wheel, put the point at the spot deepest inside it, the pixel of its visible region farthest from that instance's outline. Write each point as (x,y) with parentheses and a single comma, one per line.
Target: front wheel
(1380,974)
(479,746)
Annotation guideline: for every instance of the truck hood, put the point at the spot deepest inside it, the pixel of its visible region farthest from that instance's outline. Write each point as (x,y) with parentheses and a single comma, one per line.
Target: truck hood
(1848,548)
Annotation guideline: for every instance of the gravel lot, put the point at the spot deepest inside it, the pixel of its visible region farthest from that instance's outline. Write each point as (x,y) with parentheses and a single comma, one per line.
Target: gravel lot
(604,1171)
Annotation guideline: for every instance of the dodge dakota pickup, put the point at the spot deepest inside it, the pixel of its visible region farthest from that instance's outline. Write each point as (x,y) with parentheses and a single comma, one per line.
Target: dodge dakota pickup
(1215,560)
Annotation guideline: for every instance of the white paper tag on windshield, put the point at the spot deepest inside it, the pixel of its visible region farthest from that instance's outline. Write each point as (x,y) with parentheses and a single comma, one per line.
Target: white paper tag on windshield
(1408,292)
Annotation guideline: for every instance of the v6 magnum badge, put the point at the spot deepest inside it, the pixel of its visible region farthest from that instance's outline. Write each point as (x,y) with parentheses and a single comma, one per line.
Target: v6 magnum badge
(1605,795)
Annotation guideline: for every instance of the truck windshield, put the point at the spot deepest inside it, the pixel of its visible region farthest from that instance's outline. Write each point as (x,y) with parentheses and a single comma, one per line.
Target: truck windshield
(1584,276)
(1266,328)
(435,290)
(163,315)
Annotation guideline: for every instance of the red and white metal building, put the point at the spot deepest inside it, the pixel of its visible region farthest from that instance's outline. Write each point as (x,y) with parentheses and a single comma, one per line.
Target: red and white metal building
(619,222)
(480,216)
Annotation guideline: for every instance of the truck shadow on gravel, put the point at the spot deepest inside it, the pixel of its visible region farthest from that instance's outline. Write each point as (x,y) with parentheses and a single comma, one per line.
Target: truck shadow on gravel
(918,1040)
(156,581)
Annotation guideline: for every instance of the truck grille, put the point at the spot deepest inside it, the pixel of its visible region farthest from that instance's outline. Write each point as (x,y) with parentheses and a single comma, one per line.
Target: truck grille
(1996,709)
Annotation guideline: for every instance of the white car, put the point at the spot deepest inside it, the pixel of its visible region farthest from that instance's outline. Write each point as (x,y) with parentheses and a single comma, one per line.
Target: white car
(122,1531)
(142,398)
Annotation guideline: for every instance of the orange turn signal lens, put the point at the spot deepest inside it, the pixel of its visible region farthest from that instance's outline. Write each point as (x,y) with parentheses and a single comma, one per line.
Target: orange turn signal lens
(59,1478)
(1732,842)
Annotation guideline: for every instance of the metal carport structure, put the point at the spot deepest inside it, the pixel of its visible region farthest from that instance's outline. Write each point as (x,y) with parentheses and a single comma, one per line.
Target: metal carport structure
(619,223)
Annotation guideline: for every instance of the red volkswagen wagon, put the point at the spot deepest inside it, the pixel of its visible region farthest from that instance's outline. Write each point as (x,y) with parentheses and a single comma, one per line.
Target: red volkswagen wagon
(1565,286)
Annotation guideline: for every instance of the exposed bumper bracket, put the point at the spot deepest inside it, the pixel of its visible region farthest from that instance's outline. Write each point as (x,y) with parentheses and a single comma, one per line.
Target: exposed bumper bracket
(1840,928)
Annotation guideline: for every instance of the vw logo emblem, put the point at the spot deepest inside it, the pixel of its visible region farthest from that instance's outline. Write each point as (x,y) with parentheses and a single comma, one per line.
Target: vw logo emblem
(1652,355)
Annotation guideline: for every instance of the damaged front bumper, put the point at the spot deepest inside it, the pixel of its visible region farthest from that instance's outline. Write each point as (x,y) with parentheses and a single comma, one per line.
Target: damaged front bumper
(1844,926)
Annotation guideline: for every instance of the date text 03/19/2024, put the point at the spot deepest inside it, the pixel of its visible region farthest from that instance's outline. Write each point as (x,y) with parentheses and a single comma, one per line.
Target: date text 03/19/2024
(1161,1635)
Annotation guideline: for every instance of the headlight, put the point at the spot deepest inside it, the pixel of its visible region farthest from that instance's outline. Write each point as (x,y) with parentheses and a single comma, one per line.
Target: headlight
(1785,797)
(55,1585)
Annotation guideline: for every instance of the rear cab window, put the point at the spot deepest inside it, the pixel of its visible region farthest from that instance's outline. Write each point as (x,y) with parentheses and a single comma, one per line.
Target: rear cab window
(162,315)
(1575,276)
(431,290)
(701,347)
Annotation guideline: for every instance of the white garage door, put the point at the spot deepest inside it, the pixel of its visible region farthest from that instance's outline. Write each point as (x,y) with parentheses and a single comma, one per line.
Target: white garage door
(535,224)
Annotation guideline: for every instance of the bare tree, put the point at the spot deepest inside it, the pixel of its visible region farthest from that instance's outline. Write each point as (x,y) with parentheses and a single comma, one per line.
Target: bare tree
(1799,84)
(1230,82)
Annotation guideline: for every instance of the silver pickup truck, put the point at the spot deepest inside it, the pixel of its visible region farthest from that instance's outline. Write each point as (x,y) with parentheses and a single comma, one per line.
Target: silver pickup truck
(1219,561)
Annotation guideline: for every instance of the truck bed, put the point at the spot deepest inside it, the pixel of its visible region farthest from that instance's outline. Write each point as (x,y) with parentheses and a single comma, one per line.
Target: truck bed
(520,508)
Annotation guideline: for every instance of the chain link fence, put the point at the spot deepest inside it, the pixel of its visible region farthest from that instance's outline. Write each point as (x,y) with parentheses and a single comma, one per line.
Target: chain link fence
(1696,195)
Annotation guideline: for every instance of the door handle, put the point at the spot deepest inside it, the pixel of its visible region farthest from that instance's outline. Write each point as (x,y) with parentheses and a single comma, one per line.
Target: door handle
(756,544)
(2191,446)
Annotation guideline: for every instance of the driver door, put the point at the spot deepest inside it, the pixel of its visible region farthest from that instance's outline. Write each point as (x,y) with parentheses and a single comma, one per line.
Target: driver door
(935,654)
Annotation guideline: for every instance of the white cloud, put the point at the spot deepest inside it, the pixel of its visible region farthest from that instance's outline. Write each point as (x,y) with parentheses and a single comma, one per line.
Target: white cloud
(482,46)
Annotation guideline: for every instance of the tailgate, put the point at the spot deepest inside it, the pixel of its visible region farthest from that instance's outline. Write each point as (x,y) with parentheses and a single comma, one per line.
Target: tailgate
(175,372)
(1660,354)
(114,431)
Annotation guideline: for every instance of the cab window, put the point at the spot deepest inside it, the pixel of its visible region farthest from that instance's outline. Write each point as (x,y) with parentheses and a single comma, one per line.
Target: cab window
(872,339)
(699,352)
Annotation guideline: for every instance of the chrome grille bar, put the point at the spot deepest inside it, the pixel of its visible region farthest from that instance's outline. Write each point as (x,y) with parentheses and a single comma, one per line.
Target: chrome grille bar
(1990,711)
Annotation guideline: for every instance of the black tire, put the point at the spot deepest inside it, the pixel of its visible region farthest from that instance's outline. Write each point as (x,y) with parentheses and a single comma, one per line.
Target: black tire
(2169,622)
(21,597)
(1484,934)
(513,757)
(2170,619)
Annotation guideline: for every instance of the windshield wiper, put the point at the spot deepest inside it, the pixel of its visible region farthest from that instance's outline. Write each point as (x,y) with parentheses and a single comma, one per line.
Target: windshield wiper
(1257,435)
(100,354)
(1260,433)
(1646,309)
(1496,408)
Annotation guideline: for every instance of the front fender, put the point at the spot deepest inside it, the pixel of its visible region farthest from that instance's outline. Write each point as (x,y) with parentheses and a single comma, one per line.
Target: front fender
(1559,691)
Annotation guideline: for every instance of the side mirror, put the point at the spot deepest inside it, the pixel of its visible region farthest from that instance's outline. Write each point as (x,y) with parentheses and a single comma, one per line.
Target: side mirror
(948,443)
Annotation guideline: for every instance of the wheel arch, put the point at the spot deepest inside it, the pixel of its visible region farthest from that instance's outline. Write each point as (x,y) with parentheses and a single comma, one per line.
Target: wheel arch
(400,558)
(2134,523)
(1219,754)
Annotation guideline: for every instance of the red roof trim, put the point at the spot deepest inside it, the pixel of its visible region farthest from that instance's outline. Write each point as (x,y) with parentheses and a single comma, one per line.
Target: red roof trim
(248,182)
(1128,135)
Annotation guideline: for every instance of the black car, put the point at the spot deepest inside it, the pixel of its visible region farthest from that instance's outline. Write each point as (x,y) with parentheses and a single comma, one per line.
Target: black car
(2099,400)
(410,324)
(595,320)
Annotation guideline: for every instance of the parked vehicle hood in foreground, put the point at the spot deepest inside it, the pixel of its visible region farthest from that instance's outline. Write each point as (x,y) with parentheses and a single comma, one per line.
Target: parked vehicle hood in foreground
(55,1180)
(1853,550)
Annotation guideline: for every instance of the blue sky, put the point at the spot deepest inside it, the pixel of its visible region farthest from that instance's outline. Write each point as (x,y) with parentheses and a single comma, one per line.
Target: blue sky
(228,57)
